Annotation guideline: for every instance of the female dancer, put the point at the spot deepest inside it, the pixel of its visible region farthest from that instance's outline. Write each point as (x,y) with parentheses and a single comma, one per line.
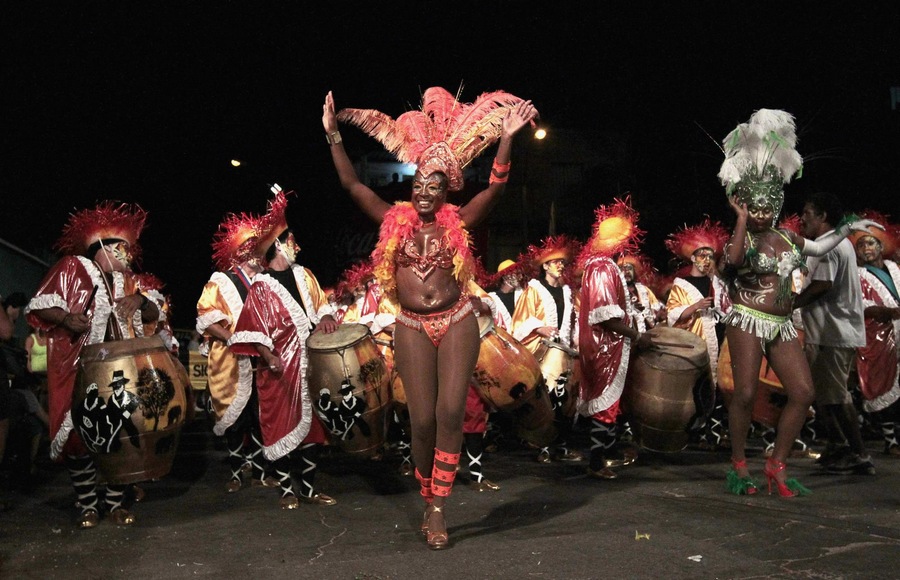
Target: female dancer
(423,259)
(760,158)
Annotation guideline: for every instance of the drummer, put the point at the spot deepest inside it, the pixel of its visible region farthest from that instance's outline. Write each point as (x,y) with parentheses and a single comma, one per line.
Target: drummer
(546,311)
(284,305)
(605,334)
(698,301)
(648,310)
(85,292)
(508,281)
(231,384)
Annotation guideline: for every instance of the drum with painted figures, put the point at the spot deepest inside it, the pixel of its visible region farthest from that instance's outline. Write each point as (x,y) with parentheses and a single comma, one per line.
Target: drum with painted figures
(129,406)
(348,385)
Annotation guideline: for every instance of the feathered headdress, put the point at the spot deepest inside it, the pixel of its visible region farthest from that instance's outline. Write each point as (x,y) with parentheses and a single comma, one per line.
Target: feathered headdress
(707,234)
(273,223)
(445,135)
(760,157)
(615,230)
(888,236)
(352,278)
(791,223)
(236,240)
(109,220)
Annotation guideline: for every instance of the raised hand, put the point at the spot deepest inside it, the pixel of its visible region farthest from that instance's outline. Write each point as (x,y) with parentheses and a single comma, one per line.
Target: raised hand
(520,115)
(740,209)
(329,118)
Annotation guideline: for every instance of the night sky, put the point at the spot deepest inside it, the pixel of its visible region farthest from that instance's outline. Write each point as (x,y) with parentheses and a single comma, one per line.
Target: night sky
(148,103)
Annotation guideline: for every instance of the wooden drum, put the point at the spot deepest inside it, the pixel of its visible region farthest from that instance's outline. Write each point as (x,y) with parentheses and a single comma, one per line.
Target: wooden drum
(559,365)
(668,389)
(348,383)
(508,378)
(129,407)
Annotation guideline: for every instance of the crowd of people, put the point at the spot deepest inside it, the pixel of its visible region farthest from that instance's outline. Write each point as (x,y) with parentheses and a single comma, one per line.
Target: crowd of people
(814,299)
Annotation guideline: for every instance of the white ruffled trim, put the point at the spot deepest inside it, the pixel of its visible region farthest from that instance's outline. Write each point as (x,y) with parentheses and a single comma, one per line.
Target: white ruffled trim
(204,321)
(102,303)
(244,388)
(610,394)
(550,318)
(707,321)
(885,400)
(160,301)
(604,313)
(313,315)
(46,301)
(301,324)
(251,337)
(231,296)
(56,446)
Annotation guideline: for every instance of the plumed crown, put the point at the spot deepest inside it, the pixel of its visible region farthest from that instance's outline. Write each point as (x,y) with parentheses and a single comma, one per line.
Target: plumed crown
(445,135)
(615,230)
(760,157)
(109,220)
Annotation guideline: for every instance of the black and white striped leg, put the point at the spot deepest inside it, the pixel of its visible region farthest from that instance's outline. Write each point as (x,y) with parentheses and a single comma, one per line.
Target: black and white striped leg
(603,438)
(83,474)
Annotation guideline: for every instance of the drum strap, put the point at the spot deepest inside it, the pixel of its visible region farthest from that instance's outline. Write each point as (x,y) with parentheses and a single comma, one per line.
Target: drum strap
(237,275)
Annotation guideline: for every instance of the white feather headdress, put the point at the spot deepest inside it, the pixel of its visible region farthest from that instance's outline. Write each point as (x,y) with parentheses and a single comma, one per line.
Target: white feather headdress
(760,157)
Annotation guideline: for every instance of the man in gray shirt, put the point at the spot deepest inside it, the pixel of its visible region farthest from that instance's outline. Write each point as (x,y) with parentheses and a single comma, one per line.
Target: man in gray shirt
(832,311)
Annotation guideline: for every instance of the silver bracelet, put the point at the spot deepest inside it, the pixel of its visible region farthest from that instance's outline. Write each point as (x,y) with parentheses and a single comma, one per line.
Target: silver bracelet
(333,137)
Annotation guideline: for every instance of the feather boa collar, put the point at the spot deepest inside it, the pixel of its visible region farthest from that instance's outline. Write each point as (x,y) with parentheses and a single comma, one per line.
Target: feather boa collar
(401,222)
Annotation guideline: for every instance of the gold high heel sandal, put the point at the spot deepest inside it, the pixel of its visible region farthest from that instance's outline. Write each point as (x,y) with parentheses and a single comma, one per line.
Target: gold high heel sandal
(437,540)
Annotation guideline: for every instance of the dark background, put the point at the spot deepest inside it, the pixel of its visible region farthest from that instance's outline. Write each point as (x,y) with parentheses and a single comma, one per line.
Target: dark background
(148,102)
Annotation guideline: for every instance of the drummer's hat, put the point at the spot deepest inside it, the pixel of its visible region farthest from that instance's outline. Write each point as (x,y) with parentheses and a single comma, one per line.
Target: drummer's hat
(615,230)
(119,378)
(688,239)
(236,240)
(274,223)
(888,236)
(108,221)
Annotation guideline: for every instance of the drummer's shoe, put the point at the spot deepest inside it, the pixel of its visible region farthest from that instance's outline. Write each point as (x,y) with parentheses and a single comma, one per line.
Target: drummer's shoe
(892,449)
(233,485)
(89,518)
(121,517)
(137,493)
(568,455)
(289,502)
(603,473)
(543,455)
(318,499)
(484,485)
(617,459)
(267,481)
(405,469)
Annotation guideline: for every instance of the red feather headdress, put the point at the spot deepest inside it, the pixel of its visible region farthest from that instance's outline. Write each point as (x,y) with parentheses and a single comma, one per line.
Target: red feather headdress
(687,240)
(791,223)
(109,220)
(445,135)
(236,240)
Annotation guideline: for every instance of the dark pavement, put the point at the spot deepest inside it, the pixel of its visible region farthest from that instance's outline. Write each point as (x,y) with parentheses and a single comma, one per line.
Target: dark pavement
(667,516)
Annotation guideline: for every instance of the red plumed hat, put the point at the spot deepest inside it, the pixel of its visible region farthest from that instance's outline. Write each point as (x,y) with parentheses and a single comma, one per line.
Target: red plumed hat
(236,240)
(109,220)
(708,234)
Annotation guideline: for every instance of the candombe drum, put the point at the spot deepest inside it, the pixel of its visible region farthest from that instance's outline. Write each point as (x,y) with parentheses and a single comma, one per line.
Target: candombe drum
(668,388)
(509,379)
(129,407)
(559,365)
(348,386)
